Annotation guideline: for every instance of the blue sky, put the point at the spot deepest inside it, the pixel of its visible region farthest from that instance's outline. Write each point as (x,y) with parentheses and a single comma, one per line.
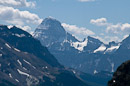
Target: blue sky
(106,20)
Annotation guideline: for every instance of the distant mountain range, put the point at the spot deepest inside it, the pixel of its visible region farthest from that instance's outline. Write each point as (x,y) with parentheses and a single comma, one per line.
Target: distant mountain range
(90,55)
(25,62)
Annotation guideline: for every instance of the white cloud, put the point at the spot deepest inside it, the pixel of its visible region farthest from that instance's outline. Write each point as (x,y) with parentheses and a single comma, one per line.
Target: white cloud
(25,28)
(9,14)
(112,38)
(125,26)
(118,28)
(107,39)
(99,22)
(100,38)
(17,17)
(87,0)
(17,3)
(111,28)
(79,32)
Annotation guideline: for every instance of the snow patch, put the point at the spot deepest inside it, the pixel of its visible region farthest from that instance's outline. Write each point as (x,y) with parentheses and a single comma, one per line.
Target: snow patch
(19,62)
(34,67)
(7,45)
(66,41)
(79,45)
(16,49)
(95,72)
(8,64)
(0,55)
(20,35)
(112,48)
(46,67)
(29,63)
(10,75)
(16,80)
(24,68)
(10,26)
(26,62)
(23,73)
(74,72)
(101,48)
(31,80)
(112,65)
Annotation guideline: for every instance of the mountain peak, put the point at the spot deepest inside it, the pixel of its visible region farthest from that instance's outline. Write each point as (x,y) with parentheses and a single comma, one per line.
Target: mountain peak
(84,39)
(92,39)
(3,27)
(113,43)
(50,24)
(7,27)
(50,20)
(92,44)
(50,17)
(50,30)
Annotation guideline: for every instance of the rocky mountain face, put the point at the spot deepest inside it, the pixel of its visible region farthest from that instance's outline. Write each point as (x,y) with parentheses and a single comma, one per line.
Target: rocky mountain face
(122,76)
(92,45)
(90,55)
(25,62)
(56,39)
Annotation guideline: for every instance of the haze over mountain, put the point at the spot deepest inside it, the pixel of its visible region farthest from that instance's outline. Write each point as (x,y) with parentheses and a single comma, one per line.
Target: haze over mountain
(90,55)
